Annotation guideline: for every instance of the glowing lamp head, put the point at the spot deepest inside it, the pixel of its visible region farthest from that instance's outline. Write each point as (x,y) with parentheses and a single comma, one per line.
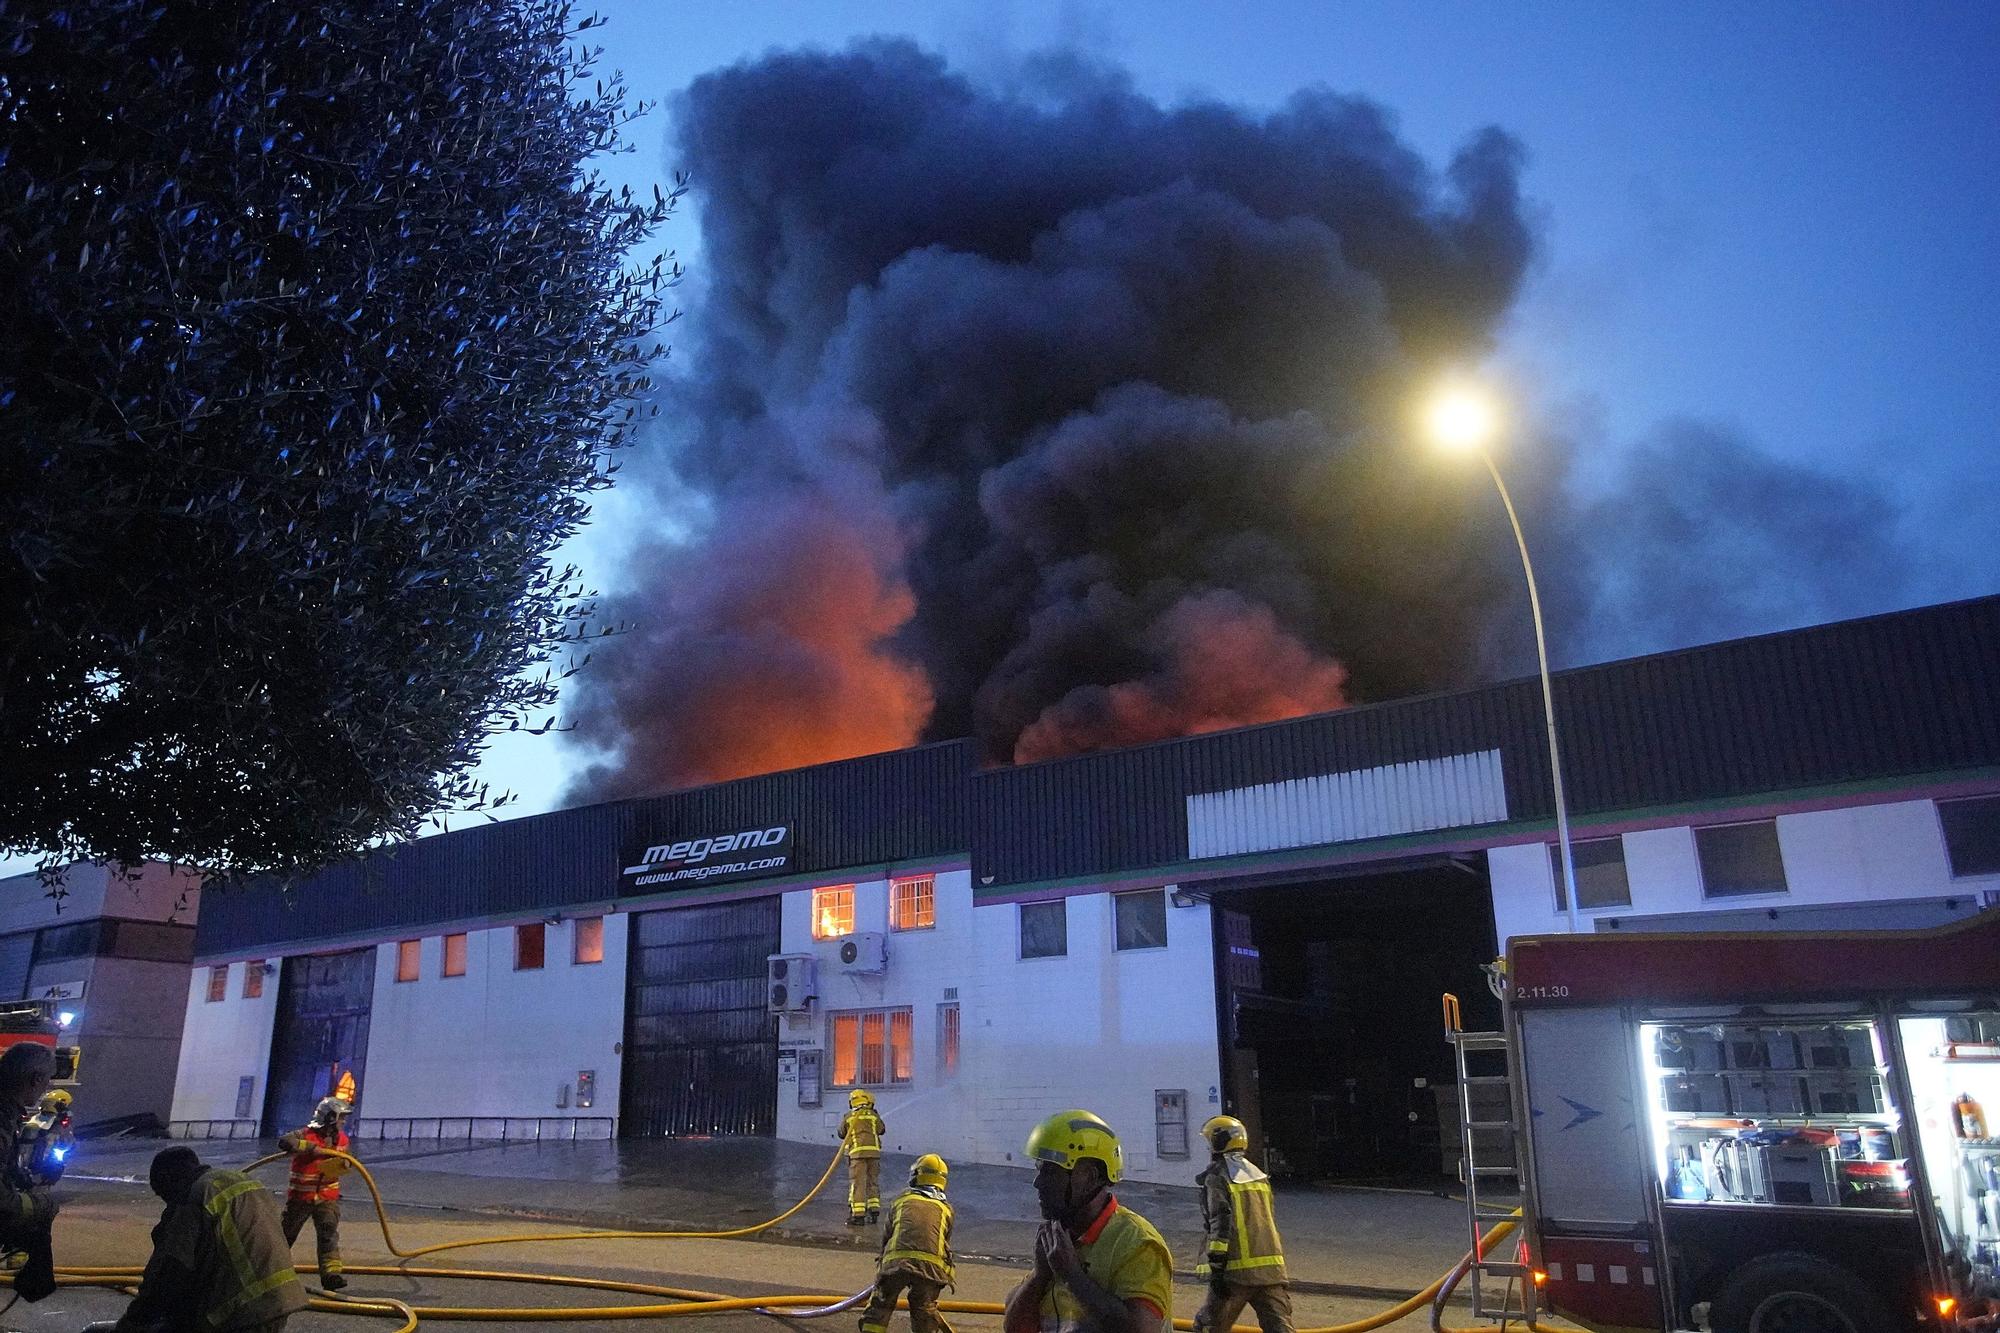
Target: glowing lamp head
(1945,1305)
(65,1018)
(1461,418)
(1541,1278)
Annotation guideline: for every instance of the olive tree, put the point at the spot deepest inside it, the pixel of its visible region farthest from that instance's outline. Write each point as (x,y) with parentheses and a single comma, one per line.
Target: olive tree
(321,330)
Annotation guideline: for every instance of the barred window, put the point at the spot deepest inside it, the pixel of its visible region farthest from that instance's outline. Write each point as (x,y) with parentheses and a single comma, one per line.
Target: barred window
(947,1041)
(913,903)
(871,1047)
(833,911)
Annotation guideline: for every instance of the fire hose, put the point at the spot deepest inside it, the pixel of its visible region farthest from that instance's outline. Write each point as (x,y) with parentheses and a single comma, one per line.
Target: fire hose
(672,1302)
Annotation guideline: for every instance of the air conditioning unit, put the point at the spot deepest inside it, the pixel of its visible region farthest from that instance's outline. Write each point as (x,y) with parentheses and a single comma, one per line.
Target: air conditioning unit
(788,981)
(867,951)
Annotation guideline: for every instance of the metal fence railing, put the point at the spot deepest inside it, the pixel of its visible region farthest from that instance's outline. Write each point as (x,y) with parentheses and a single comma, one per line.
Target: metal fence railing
(488,1129)
(214,1129)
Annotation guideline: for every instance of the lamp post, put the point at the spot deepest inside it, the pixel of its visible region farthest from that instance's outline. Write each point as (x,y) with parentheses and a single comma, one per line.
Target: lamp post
(1462,419)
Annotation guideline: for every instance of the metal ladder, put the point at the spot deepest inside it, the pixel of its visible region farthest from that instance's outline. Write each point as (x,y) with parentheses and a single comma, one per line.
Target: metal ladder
(1502,1289)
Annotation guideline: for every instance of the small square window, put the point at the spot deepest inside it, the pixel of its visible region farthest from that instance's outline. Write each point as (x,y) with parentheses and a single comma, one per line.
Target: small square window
(253,979)
(1600,874)
(1045,929)
(409,960)
(590,939)
(1740,859)
(218,984)
(530,945)
(1141,919)
(833,912)
(1972,835)
(913,903)
(454,955)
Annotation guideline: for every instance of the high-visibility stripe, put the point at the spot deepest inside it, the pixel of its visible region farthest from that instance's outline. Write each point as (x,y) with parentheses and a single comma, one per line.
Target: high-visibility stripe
(1255,1244)
(925,1255)
(249,1285)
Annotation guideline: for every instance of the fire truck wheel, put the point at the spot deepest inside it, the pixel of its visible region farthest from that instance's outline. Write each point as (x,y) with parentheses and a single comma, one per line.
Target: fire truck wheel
(1797,1293)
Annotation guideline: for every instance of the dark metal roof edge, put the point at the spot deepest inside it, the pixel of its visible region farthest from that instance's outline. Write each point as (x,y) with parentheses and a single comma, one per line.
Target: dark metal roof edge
(1497,687)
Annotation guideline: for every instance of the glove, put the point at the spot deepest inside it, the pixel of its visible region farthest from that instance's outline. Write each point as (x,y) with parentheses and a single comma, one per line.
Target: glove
(1218,1285)
(37,1277)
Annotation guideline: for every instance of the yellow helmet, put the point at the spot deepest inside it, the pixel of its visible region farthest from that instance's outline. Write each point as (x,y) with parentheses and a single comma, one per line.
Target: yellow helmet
(1067,1137)
(1225,1133)
(860,1097)
(929,1170)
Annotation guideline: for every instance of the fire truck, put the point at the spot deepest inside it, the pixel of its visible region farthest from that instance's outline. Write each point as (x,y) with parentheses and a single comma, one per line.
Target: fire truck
(1767,1132)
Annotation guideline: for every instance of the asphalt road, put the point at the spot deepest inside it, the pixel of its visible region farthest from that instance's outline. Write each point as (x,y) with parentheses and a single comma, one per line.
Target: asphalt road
(106,1223)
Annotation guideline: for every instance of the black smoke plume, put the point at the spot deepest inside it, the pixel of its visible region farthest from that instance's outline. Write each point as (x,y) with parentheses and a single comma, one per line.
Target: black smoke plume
(1056,417)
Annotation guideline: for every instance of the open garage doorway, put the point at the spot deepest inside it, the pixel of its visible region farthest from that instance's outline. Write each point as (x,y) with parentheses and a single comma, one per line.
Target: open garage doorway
(1328,1006)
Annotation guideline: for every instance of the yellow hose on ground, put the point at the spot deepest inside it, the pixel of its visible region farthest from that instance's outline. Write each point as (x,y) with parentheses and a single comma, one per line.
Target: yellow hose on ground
(680,1302)
(382,1215)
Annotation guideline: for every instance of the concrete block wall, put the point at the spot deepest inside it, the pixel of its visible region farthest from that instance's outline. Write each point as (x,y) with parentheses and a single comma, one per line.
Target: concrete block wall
(496,1042)
(222,1042)
(1860,854)
(1096,1028)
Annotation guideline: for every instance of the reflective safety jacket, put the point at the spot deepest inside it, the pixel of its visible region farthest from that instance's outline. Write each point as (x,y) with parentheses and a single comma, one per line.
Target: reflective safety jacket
(219,1261)
(1242,1228)
(862,1129)
(918,1237)
(1127,1257)
(315,1179)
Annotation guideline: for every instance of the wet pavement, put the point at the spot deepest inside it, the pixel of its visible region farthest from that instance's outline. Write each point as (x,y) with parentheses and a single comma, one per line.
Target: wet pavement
(107,1223)
(1345,1241)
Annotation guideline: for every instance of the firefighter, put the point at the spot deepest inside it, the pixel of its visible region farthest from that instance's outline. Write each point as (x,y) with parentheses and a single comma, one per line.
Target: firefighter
(1246,1259)
(27,1210)
(1099,1266)
(314,1193)
(861,1130)
(916,1253)
(219,1263)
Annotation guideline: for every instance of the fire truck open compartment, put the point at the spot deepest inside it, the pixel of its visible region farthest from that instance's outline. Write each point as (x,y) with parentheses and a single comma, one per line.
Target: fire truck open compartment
(1954,1060)
(1718,1125)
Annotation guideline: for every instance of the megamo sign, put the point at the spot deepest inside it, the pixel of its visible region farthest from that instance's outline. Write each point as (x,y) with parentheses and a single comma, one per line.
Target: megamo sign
(689,862)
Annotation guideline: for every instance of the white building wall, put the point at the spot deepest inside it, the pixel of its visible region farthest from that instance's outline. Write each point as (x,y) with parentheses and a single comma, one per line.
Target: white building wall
(1854,855)
(496,1042)
(222,1042)
(1097,1028)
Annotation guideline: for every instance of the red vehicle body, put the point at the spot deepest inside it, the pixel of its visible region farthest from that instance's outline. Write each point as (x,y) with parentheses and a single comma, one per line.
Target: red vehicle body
(1757,1131)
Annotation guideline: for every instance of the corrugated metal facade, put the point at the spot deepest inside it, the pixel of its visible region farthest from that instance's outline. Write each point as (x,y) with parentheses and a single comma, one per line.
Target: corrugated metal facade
(901,806)
(1911,693)
(1455,791)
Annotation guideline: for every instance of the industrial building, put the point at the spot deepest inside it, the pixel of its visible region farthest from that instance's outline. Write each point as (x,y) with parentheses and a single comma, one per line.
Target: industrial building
(1259,920)
(112,952)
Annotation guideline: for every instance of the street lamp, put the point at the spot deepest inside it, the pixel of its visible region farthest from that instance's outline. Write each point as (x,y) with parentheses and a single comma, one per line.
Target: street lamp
(1462,418)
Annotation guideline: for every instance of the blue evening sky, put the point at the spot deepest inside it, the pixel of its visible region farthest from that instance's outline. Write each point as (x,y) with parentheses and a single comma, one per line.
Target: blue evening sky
(1779,217)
